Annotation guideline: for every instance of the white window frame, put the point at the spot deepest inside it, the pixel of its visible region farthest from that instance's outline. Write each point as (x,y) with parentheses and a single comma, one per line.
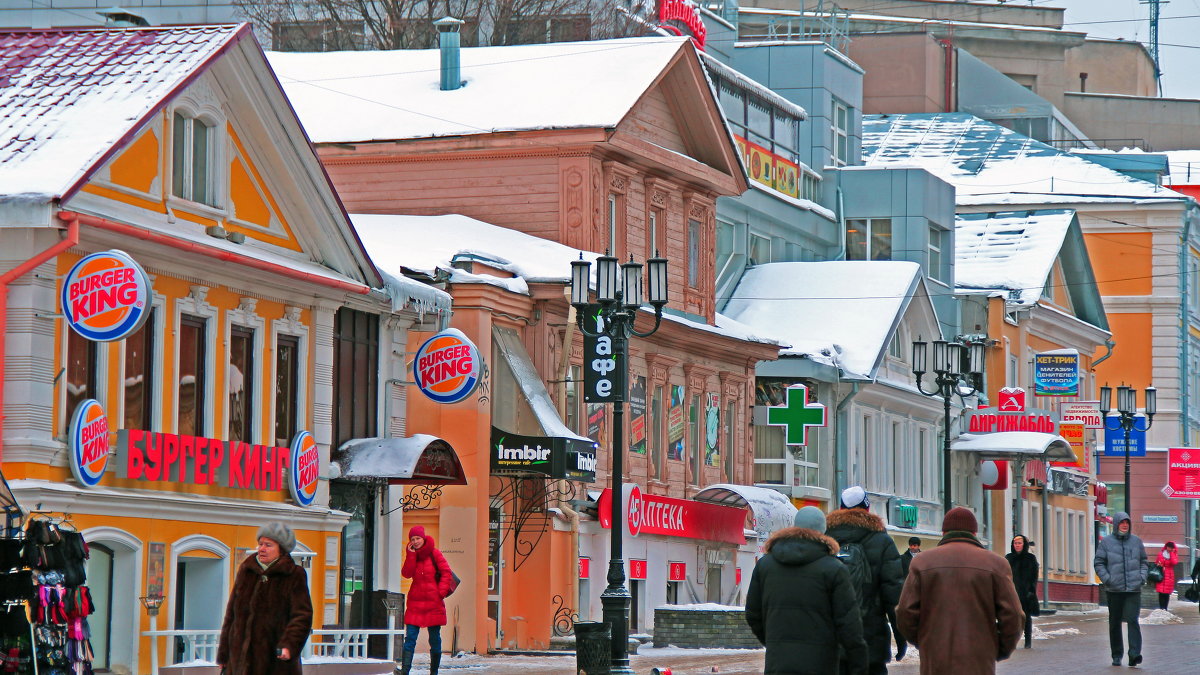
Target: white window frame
(245,316)
(869,237)
(195,304)
(936,247)
(840,138)
(291,326)
(214,163)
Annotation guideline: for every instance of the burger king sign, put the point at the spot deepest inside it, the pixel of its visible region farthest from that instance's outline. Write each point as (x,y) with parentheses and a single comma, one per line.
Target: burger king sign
(447,367)
(106,296)
(89,443)
(304,469)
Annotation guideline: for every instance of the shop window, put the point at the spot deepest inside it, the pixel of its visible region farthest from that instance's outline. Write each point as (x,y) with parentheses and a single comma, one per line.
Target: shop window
(287,388)
(869,239)
(139,376)
(192,159)
(240,384)
(355,375)
(193,376)
(673,592)
(80,373)
(693,235)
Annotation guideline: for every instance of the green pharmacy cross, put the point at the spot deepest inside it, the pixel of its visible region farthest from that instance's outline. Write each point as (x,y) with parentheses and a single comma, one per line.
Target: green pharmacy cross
(797,415)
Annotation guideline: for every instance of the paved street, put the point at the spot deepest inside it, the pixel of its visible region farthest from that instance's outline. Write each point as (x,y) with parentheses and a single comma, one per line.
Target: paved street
(1069,643)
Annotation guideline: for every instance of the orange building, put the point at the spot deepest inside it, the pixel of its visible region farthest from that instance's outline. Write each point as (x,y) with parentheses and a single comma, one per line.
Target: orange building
(205,386)
(609,145)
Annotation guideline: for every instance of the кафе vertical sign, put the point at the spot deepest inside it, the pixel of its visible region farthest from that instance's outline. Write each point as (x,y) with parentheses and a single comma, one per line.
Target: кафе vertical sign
(106,297)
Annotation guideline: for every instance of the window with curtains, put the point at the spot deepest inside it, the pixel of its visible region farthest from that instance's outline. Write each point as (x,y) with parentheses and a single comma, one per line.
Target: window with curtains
(192,375)
(80,373)
(287,394)
(138,384)
(192,145)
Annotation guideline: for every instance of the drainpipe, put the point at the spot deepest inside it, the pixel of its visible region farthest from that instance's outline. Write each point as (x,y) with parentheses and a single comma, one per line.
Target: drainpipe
(841,455)
(71,239)
(449,41)
(1109,343)
(948,68)
(841,216)
(1185,393)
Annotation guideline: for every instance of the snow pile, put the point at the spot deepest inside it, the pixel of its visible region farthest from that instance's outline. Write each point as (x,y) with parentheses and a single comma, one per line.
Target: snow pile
(1039,634)
(704,607)
(1160,617)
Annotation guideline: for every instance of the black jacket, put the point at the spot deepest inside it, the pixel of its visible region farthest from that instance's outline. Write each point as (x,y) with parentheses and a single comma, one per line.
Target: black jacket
(905,562)
(867,529)
(1025,577)
(801,606)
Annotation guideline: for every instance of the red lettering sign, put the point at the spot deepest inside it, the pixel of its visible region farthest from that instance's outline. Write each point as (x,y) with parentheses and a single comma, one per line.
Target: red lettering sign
(679,15)
(681,518)
(986,423)
(677,571)
(1010,400)
(192,460)
(637,569)
(585,568)
(1183,473)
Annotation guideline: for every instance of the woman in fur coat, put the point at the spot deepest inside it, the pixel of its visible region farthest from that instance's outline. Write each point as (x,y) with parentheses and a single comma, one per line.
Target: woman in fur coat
(425,604)
(269,616)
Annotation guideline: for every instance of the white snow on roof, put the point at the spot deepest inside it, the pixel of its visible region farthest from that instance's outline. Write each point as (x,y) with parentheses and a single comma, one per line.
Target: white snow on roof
(1012,251)
(988,164)
(838,313)
(344,97)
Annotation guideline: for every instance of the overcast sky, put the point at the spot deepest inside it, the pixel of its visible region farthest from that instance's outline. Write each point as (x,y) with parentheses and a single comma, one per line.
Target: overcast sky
(1178,34)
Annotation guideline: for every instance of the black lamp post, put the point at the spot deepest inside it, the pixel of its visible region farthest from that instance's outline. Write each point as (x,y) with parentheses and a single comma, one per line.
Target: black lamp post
(620,299)
(958,369)
(1127,415)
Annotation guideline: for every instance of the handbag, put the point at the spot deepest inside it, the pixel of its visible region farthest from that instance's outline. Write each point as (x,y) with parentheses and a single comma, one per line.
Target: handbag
(1192,594)
(1155,573)
(454,580)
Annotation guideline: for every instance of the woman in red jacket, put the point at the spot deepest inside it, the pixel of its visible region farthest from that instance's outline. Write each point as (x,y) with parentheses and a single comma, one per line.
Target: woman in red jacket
(1167,559)
(425,605)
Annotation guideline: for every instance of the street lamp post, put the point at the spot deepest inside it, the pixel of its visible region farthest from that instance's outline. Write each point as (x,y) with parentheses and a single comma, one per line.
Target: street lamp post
(958,369)
(1127,415)
(620,299)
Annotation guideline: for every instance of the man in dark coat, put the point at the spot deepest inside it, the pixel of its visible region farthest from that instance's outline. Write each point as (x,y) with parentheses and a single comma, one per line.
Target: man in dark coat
(914,548)
(801,603)
(269,616)
(959,606)
(855,524)
(1121,565)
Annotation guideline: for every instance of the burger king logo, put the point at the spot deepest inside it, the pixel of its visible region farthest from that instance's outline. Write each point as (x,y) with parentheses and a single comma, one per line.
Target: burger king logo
(305,467)
(89,443)
(447,367)
(106,296)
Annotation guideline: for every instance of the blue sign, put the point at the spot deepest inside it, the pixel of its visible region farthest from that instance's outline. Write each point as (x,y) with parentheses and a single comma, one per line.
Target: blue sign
(1114,442)
(1056,373)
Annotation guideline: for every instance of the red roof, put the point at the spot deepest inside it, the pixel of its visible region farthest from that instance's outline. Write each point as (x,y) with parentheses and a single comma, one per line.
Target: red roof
(70,99)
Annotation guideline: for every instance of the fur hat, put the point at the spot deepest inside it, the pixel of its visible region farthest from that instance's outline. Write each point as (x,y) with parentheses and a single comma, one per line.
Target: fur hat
(855,497)
(810,517)
(280,534)
(959,519)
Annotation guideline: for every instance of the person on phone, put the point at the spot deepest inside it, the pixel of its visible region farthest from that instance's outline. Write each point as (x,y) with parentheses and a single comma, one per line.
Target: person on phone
(1168,558)
(425,604)
(269,615)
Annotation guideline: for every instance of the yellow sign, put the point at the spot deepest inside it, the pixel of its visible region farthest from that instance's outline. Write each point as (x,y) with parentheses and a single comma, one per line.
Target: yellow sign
(1072,432)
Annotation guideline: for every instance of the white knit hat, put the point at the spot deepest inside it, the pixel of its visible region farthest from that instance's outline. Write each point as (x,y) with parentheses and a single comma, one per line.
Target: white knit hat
(855,496)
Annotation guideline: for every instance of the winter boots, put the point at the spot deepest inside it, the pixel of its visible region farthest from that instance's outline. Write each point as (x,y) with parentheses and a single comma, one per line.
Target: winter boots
(435,661)
(406,658)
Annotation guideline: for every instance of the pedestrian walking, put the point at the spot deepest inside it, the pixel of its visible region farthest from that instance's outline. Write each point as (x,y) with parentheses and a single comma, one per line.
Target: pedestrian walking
(801,604)
(269,615)
(425,604)
(1167,559)
(874,565)
(959,605)
(906,558)
(1024,566)
(1121,565)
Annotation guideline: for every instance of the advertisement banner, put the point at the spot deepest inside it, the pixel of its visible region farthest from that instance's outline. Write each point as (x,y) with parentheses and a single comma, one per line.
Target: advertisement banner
(676,423)
(550,456)
(787,177)
(760,164)
(1072,432)
(1085,412)
(1114,442)
(712,429)
(604,377)
(1056,373)
(1183,473)
(637,416)
(672,517)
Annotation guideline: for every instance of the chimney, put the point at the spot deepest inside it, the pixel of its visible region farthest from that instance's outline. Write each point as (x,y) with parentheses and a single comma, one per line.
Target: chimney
(448,41)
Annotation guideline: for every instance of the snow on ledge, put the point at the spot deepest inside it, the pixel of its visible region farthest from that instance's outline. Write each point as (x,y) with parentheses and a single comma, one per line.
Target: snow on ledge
(704,607)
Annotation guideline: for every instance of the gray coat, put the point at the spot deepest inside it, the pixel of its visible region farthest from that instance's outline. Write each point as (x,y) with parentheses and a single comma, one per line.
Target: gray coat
(1121,560)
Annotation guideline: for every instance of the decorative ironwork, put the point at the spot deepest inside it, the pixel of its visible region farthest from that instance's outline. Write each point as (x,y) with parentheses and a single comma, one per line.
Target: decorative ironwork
(418,498)
(564,618)
(353,496)
(485,383)
(525,514)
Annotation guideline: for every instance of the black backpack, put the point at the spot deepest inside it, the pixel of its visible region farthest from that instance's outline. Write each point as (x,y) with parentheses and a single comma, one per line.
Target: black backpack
(862,576)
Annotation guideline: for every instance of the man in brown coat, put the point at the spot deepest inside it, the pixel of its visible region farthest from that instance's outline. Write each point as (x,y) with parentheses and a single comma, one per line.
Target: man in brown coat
(959,605)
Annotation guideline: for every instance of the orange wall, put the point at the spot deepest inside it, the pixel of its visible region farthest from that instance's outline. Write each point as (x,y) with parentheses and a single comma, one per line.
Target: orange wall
(1130,362)
(1121,262)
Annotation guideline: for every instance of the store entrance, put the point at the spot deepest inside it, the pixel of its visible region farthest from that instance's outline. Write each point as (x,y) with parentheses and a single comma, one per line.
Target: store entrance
(355,609)
(100,581)
(199,602)
(111,567)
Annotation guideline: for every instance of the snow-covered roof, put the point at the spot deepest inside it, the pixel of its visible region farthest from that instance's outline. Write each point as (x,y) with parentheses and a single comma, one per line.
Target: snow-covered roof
(839,313)
(1184,167)
(1010,251)
(397,95)
(432,244)
(989,164)
(68,98)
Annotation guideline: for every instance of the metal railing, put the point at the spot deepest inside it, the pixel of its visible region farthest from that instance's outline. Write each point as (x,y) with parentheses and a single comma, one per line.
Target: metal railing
(200,646)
